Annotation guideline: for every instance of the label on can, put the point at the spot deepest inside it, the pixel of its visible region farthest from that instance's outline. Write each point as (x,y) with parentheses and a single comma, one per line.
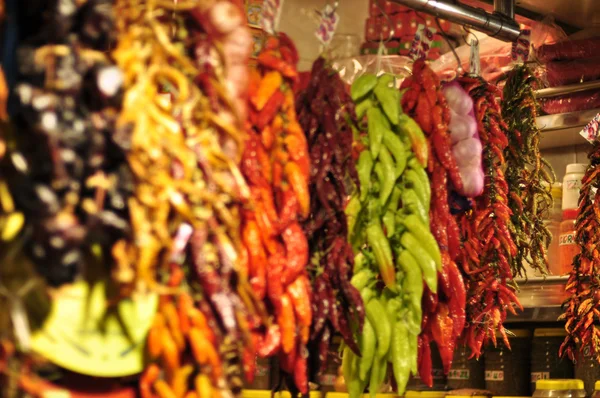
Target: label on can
(494,375)
(438,374)
(459,374)
(566,239)
(535,376)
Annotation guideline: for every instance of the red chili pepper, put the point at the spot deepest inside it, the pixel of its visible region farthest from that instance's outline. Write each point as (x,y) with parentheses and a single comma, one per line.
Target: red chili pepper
(301,300)
(289,209)
(258,258)
(274,271)
(267,114)
(296,247)
(424,363)
(269,345)
(299,184)
(271,60)
(301,370)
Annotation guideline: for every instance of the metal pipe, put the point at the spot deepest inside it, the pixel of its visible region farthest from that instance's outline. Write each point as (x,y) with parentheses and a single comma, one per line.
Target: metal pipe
(505,7)
(572,88)
(496,25)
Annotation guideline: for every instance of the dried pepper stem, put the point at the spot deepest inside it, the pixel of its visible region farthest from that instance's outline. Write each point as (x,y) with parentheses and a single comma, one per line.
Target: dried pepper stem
(528,175)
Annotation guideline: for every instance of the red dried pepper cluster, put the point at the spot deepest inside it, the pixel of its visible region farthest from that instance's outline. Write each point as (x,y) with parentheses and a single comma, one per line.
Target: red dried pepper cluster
(276,165)
(444,312)
(583,287)
(488,247)
(326,111)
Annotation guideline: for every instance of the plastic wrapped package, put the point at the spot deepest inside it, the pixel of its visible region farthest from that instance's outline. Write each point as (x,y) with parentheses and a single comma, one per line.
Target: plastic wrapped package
(571,102)
(351,68)
(569,50)
(559,73)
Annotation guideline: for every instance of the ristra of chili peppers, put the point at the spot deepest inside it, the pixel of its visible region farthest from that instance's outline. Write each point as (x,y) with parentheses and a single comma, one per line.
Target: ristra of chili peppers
(444,312)
(326,113)
(276,165)
(389,229)
(185,214)
(65,162)
(529,176)
(583,298)
(488,248)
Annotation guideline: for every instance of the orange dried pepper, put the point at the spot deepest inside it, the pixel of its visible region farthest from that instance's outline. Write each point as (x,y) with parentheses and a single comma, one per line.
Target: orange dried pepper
(269,84)
(180,380)
(185,303)
(287,324)
(299,183)
(170,312)
(203,386)
(154,340)
(163,389)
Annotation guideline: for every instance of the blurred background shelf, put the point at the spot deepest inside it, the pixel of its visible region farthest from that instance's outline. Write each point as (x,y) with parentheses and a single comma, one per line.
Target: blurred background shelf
(563,129)
(541,299)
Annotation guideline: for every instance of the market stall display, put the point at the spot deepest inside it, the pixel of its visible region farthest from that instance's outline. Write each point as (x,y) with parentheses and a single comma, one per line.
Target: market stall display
(185,214)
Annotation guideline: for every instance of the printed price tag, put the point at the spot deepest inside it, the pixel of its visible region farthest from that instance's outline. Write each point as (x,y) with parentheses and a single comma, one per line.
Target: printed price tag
(271,13)
(421,44)
(590,131)
(328,23)
(459,374)
(520,48)
(535,376)
(494,375)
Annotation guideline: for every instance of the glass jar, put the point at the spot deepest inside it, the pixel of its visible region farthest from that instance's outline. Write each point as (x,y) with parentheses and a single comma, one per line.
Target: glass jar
(465,372)
(559,388)
(572,185)
(596,393)
(567,247)
(507,370)
(545,361)
(588,370)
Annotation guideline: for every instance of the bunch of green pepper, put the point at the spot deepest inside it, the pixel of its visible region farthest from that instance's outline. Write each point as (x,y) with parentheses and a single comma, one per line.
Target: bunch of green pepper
(388,224)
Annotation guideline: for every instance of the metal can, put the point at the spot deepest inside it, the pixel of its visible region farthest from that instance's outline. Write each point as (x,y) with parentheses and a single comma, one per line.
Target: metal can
(545,361)
(507,370)
(465,372)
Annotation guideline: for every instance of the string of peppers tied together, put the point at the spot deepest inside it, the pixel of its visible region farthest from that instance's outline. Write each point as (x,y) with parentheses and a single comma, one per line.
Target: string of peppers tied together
(528,174)
(581,311)
(185,211)
(389,230)
(277,166)
(487,248)
(326,113)
(444,311)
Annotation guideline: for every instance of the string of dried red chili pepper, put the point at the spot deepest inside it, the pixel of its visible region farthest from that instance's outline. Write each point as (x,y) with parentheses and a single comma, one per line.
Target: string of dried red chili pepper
(583,287)
(488,248)
(276,164)
(443,313)
(326,113)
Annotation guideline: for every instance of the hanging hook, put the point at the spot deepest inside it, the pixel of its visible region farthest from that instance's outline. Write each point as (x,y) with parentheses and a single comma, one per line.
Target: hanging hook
(459,67)
(468,32)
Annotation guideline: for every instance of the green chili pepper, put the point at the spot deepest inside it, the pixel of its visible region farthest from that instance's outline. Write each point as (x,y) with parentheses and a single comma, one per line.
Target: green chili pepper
(389,221)
(413,353)
(421,174)
(412,180)
(423,234)
(377,125)
(360,260)
(412,285)
(392,308)
(388,97)
(367,294)
(400,361)
(389,176)
(364,168)
(363,86)
(417,138)
(377,316)
(362,278)
(395,199)
(423,258)
(362,107)
(383,253)
(368,342)
(394,144)
(412,202)
(378,374)
(352,209)
(350,372)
